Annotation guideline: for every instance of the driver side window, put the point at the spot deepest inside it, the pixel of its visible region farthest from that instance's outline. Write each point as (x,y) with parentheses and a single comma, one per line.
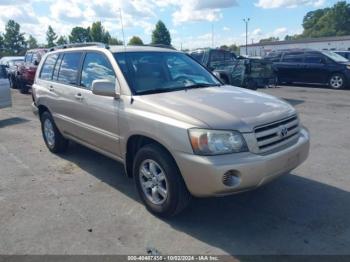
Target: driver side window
(96,66)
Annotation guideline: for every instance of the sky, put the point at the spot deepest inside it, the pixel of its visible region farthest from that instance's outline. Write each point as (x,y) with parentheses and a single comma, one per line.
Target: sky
(190,22)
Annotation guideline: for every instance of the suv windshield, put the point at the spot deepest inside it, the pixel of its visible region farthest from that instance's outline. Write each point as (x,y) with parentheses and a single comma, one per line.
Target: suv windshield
(335,57)
(156,72)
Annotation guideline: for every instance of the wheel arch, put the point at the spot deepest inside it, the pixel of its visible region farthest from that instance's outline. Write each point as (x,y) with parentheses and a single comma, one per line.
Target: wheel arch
(133,144)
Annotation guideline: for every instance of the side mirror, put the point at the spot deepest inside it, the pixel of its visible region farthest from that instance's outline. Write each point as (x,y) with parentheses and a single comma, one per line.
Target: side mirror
(36,62)
(105,87)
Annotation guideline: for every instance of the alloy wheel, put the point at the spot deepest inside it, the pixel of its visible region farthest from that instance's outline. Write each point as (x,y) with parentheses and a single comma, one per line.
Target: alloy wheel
(153,182)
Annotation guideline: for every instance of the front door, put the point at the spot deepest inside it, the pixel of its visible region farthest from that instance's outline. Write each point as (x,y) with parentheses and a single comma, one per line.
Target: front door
(315,68)
(98,115)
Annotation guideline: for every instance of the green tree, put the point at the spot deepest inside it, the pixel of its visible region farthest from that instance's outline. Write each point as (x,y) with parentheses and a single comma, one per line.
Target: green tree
(135,40)
(62,40)
(51,37)
(80,35)
(99,34)
(115,41)
(32,42)
(334,21)
(14,41)
(270,39)
(161,34)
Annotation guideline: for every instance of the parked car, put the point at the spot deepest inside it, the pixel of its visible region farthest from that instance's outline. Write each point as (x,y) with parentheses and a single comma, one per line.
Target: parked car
(312,67)
(5,59)
(216,59)
(5,92)
(26,70)
(345,54)
(12,69)
(176,128)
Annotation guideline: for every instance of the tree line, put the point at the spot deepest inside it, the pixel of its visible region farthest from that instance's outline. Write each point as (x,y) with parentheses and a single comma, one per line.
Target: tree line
(325,22)
(13,41)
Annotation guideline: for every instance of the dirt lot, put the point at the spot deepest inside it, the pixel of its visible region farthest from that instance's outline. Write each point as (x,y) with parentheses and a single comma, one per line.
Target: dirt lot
(81,202)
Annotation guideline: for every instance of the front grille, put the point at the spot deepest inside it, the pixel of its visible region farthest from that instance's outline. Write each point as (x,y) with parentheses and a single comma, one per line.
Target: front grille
(277,134)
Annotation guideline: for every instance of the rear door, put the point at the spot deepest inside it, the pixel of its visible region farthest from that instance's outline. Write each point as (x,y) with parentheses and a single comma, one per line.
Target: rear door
(97,115)
(5,92)
(62,91)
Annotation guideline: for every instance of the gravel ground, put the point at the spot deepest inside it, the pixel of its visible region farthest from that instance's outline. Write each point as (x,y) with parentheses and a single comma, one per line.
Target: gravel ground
(82,203)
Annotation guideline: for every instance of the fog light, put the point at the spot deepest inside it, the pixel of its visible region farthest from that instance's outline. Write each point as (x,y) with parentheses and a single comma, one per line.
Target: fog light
(231,178)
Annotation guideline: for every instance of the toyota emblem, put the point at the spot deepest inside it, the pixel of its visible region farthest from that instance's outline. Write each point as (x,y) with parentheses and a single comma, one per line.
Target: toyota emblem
(283,132)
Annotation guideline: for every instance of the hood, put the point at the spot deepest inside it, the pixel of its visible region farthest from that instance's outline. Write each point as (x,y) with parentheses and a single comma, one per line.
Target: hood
(224,107)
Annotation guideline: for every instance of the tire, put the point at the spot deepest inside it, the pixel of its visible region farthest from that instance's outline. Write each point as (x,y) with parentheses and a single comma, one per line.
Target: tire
(337,81)
(12,82)
(54,140)
(176,197)
(23,87)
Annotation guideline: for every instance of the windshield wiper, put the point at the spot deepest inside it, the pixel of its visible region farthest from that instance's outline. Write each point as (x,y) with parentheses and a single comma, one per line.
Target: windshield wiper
(165,90)
(201,86)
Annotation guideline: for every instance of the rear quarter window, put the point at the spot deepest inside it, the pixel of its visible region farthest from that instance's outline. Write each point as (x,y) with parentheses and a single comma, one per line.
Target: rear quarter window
(48,67)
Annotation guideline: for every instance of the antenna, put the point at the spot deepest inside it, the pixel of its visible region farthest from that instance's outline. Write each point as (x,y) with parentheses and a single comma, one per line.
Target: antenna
(121,22)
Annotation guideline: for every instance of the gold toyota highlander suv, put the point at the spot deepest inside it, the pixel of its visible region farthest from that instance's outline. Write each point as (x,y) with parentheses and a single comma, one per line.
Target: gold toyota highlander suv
(178,130)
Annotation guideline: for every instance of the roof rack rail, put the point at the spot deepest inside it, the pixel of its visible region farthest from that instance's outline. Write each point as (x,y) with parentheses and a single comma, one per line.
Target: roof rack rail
(73,45)
(161,46)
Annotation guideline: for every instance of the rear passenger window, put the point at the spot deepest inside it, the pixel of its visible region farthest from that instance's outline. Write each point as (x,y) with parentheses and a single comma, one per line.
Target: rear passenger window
(47,69)
(68,73)
(96,66)
(295,57)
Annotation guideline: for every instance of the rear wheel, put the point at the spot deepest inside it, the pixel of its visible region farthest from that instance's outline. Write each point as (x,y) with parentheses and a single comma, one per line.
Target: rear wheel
(159,181)
(337,81)
(54,140)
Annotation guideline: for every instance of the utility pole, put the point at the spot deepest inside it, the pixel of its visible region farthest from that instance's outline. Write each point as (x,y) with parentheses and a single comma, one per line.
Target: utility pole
(212,35)
(246,21)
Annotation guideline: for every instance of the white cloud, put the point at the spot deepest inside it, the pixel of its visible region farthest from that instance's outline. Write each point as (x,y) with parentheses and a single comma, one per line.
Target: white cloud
(267,4)
(196,10)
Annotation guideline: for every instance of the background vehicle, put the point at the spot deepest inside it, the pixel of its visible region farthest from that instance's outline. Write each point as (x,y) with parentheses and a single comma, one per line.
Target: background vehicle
(345,54)
(176,128)
(12,69)
(5,92)
(312,67)
(252,73)
(26,70)
(216,60)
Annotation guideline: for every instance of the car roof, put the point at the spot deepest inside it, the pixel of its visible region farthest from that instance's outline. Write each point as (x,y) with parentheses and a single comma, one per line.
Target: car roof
(116,49)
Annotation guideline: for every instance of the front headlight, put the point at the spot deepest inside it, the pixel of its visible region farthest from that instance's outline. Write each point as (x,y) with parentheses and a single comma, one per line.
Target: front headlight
(216,142)
(348,67)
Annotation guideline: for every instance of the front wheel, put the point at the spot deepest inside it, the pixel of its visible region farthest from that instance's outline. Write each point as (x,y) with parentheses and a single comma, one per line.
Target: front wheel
(337,81)
(54,140)
(159,182)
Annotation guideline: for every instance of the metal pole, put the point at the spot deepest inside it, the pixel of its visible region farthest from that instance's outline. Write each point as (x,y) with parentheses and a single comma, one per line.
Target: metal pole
(246,21)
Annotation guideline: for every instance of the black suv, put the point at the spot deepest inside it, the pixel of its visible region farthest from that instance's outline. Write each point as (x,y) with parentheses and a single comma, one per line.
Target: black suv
(312,67)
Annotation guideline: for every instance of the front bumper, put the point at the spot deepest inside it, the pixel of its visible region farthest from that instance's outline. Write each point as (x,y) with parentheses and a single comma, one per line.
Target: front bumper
(204,175)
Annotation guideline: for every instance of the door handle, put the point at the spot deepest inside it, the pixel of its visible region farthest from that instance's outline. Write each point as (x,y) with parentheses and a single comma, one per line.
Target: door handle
(51,89)
(78,96)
